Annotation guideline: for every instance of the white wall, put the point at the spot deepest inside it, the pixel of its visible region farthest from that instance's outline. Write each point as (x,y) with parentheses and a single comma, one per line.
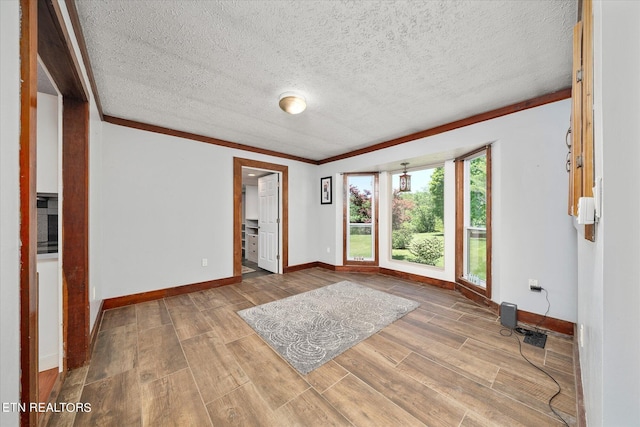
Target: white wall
(167,202)
(49,287)
(609,294)
(532,234)
(48,314)
(9,208)
(47,156)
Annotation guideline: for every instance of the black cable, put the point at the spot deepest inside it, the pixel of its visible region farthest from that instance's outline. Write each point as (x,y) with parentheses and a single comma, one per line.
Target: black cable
(546,295)
(517,330)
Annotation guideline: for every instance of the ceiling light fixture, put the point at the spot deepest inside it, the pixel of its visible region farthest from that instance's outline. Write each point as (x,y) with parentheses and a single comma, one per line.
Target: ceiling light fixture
(405,180)
(292,103)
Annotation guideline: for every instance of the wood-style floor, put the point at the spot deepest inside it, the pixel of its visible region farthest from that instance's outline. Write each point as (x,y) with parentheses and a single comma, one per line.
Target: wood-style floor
(192,361)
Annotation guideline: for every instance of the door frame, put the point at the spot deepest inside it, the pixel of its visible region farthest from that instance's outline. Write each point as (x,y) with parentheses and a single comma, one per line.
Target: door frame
(43,32)
(238,164)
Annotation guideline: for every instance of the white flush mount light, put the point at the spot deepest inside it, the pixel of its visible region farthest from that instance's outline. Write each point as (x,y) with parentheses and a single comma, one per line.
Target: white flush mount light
(292,103)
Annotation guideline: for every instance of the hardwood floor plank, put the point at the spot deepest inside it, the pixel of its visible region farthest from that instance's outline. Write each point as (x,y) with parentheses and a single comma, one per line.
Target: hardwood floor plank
(559,344)
(265,367)
(415,398)
(226,322)
(559,361)
(214,367)
(515,363)
(309,409)
(187,319)
(426,293)
(490,336)
(363,406)
(152,314)
(392,351)
(481,371)
(216,297)
(70,392)
(115,401)
(492,322)
(117,317)
(536,394)
(326,376)
(474,309)
(471,419)
(434,309)
(480,399)
(265,295)
(116,351)
(159,353)
(242,407)
(46,381)
(433,332)
(173,401)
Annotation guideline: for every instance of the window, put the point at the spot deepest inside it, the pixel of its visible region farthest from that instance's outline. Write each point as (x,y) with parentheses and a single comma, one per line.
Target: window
(361,219)
(417,218)
(473,220)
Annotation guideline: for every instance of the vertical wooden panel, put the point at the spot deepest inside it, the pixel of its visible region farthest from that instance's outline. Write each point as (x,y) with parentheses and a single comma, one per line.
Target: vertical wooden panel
(75,230)
(28,212)
(575,174)
(587,109)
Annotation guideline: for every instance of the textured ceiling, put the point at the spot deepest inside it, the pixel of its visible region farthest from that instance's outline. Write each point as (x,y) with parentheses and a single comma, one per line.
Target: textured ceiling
(371,71)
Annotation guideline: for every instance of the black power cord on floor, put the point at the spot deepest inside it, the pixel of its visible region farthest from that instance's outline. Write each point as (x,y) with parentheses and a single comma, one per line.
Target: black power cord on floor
(510,333)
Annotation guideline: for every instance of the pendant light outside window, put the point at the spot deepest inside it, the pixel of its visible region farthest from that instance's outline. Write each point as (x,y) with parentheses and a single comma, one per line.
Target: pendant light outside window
(292,103)
(405,180)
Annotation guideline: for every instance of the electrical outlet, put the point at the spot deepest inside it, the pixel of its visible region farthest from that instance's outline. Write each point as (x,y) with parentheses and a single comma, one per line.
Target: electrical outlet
(205,262)
(328,249)
(581,336)
(533,285)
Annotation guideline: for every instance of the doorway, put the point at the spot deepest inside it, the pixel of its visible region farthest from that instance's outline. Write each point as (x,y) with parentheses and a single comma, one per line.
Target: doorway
(246,223)
(260,222)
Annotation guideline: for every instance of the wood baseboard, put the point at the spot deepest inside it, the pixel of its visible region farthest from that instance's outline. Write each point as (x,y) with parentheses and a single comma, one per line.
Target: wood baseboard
(476,297)
(96,329)
(167,292)
(445,284)
(299,267)
(550,323)
(326,266)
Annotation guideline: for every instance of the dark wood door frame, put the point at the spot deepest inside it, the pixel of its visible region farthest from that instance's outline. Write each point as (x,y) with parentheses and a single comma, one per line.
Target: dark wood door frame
(28,212)
(43,33)
(238,164)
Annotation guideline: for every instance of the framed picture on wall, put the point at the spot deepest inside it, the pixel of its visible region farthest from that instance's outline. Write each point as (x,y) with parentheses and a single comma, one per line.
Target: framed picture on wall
(325,191)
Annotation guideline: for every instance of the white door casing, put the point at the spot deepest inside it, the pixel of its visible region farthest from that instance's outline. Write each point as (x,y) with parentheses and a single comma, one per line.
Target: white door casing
(268,222)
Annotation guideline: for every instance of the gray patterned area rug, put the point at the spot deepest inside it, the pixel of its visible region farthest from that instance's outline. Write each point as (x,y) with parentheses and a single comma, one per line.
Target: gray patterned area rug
(311,328)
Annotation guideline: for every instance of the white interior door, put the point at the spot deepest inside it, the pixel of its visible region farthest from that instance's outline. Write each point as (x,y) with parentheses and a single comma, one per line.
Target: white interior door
(268,222)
